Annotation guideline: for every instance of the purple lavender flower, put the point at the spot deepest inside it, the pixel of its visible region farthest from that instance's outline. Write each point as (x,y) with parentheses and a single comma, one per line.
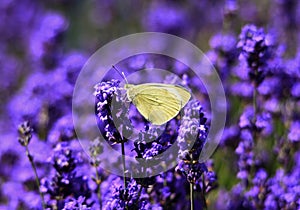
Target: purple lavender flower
(192,132)
(294,133)
(256,195)
(42,93)
(62,130)
(295,91)
(230,135)
(231,7)
(76,204)
(263,121)
(235,200)
(192,136)
(46,39)
(17,195)
(272,105)
(210,181)
(152,150)
(255,48)
(246,155)
(169,18)
(65,183)
(192,171)
(242,89)
(104,93)
(269,86)
(71,64)
(133,197)
(152,142)
(170,191)
(283,190)
(224,53)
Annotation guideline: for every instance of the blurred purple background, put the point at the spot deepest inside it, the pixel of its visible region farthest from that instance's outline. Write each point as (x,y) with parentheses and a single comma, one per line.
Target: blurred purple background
(255,47)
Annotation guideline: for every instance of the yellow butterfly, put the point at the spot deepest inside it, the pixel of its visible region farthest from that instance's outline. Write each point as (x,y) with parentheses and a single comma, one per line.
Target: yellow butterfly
(157,102)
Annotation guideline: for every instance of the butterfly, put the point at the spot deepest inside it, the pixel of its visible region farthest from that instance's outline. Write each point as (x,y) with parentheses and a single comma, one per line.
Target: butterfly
(157,102)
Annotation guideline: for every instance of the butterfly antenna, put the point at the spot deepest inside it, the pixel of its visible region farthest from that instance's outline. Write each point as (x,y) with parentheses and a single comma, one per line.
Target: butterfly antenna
(121,73)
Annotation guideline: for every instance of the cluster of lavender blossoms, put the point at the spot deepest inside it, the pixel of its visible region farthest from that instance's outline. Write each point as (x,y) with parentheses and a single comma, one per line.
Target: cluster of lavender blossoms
(253,45)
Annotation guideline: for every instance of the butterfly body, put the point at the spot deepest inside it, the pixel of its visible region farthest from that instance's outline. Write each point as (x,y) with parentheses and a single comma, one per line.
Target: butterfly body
(158,102)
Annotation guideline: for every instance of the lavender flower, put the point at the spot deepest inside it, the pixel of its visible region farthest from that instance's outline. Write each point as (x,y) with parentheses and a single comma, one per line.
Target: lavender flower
(294,133)
(255,48)
(25,132)
(152,142)
(65,184)
(224,53)
(295,91)
(169,18)
(73,204)
(230,135)
(256,195)
(242,89)
(192,132)
(236,200)
(170,191)
(283,190)
(132,197)
(192,136)
(192,171)
(104,93)
(246,155)
(62,130)
(263,121)
(25,135)
(41,93)
(46,39)
(71,64)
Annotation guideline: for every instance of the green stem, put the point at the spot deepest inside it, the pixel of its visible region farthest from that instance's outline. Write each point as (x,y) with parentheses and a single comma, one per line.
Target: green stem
(98,182)
(36,176)
(192,195)
(165,182)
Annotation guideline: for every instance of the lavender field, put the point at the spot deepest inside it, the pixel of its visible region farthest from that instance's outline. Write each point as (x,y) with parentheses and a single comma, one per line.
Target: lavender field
(45,163)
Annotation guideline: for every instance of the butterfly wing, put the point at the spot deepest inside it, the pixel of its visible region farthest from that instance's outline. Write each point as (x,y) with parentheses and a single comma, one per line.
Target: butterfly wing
(159,103)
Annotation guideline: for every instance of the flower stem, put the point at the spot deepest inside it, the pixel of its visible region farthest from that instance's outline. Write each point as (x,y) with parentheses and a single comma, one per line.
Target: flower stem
(192,195)
(124,168)
(124,164)
(254,104)
(255,93)
(36,176)
(98,182)
(203,200)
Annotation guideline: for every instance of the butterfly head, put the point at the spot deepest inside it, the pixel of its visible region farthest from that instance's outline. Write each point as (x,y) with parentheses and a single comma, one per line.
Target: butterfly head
(128,86)
(130,91)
